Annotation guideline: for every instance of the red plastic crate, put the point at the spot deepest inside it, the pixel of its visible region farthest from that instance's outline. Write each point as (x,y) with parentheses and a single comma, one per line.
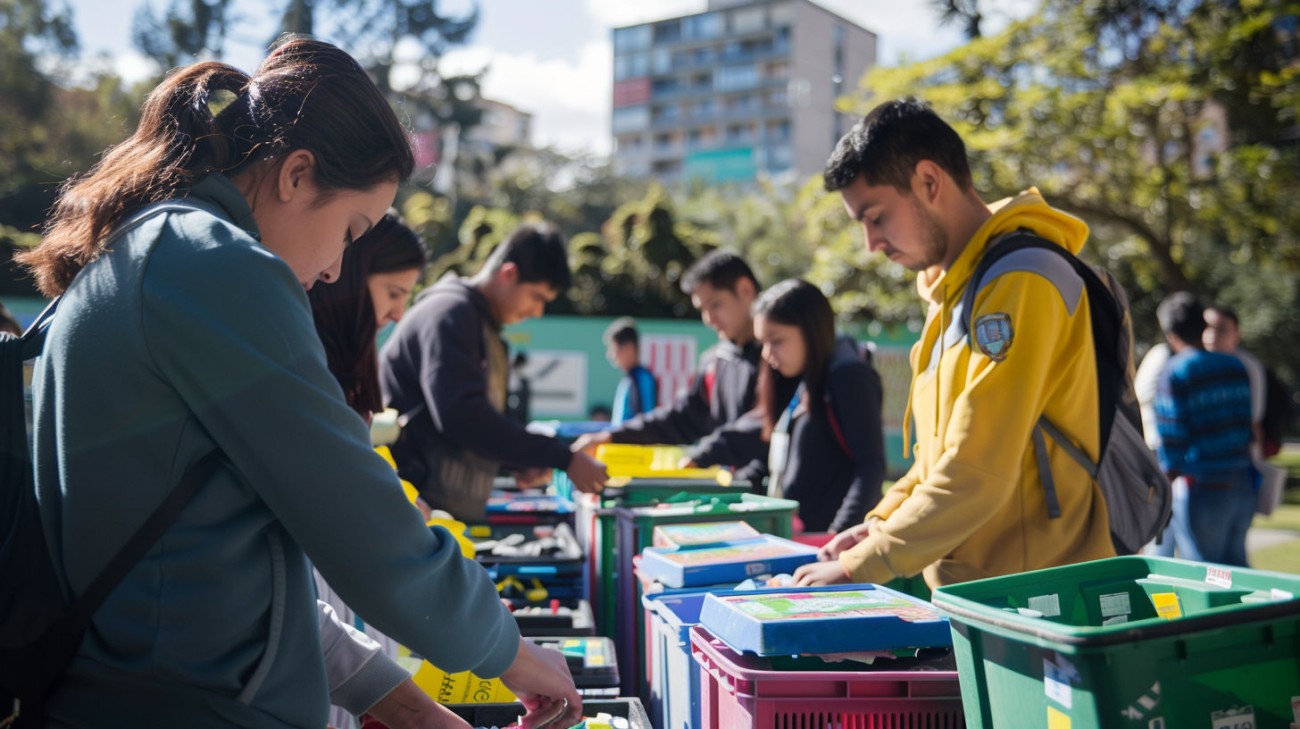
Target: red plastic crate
(740,692)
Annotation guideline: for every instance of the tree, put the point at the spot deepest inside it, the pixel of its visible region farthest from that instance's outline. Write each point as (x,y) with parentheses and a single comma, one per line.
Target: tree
(1110,108)
(189,29)
(965,12)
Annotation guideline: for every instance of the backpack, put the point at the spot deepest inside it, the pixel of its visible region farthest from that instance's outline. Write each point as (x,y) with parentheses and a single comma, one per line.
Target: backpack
(1137,492)
(40,626)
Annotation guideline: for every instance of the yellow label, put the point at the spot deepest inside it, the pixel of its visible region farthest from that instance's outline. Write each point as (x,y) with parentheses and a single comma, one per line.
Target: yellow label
(1057,719)
(460,688)
(1166,604)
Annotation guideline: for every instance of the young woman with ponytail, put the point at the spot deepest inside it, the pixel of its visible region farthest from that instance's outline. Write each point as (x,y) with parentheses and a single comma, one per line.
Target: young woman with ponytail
(185,329)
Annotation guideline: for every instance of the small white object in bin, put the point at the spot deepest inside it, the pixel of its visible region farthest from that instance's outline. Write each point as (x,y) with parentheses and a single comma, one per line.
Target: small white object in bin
(384,428)
(1048,605)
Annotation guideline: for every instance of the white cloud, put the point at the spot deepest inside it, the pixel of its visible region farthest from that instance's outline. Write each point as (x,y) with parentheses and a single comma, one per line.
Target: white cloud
(570,102)
(614,13)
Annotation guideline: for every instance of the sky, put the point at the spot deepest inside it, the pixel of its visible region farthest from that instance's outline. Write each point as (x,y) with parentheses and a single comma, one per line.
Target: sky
(552,58)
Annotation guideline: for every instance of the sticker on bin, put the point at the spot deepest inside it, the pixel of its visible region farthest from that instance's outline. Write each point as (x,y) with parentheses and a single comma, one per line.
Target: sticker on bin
(708,534)
(1234,718)
(820,620)
(728,563)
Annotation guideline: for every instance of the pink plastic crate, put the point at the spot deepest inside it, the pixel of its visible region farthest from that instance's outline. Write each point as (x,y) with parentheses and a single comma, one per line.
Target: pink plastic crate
(739,692)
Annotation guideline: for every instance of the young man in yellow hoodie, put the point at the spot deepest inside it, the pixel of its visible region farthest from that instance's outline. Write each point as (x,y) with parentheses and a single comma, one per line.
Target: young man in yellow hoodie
(973,504)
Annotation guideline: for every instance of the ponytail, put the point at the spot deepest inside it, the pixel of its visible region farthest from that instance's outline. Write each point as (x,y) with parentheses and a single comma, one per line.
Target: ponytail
(306,95)
(176,143)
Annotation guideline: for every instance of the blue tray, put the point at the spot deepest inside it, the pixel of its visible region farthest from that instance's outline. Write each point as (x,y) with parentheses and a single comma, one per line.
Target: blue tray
(729,562)
(820,620)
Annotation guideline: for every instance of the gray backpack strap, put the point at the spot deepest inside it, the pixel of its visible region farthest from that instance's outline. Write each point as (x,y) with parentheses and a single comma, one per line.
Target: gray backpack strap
(1045,472)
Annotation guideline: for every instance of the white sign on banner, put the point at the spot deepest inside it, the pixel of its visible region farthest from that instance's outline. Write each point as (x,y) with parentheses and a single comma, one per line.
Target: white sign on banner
(558,382)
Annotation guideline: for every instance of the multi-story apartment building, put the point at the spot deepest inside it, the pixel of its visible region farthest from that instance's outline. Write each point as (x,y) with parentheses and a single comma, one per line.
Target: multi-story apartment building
(744,89)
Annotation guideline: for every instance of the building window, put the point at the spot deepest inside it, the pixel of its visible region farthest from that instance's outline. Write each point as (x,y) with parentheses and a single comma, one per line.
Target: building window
(630,118)
(703,27)
(635,38)
(729,78)
(669,31)
(631,66)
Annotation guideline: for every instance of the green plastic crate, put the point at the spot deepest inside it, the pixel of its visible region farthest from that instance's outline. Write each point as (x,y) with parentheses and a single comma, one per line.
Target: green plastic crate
(596,530)
(635,531)
(1128,643)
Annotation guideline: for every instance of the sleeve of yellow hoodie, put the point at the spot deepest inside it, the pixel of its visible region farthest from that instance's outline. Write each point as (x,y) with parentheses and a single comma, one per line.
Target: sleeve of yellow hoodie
(983,447)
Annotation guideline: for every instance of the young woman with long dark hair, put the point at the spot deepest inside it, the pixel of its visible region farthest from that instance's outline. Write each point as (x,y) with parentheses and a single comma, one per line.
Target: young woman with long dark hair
(184,330)
(826,446)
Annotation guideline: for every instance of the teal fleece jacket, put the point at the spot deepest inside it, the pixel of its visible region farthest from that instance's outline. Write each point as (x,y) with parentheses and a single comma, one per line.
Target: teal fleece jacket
(188,335)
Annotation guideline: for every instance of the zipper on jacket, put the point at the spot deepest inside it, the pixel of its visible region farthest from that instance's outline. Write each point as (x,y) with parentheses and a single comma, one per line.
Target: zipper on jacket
(276,630)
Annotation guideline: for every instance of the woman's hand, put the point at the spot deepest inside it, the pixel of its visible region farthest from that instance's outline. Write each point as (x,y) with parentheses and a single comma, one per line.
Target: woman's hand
(540,678)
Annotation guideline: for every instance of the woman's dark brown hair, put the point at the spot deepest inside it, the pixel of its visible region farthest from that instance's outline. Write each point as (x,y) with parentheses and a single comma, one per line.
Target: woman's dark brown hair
(797,303)
(306,95)
(345,314)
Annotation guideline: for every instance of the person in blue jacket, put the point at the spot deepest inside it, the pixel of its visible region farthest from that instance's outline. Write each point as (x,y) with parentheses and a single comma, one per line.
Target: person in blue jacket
(185,329)
(826,444)
(636,393)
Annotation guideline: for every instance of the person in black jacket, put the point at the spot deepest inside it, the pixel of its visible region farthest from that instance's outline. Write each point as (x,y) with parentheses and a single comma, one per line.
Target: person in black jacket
(445,370)
(723,288)
(826,444)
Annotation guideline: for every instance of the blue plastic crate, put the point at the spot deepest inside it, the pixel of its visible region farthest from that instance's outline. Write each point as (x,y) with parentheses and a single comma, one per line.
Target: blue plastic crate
(674,700)
(729,562)
(817,620)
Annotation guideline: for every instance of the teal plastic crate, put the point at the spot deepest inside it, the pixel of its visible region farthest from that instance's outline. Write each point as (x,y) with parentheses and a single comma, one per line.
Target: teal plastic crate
(1128,643)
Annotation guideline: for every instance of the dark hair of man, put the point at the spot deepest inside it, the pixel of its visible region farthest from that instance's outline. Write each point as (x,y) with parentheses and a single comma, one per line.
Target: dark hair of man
(797,303)
(345,314)
(1182,315)
(539,254)
(306,95)
(721,269)
(1226,313)
(887,144)
(622,331)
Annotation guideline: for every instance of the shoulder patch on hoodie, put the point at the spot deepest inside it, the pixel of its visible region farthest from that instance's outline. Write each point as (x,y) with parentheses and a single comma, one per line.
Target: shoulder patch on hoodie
(993,334)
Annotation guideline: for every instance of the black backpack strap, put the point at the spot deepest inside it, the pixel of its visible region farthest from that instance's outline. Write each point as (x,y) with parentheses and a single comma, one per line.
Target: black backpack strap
(144,538)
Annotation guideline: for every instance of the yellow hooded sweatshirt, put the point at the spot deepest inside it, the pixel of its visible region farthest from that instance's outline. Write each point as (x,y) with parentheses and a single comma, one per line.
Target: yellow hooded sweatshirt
(972,505)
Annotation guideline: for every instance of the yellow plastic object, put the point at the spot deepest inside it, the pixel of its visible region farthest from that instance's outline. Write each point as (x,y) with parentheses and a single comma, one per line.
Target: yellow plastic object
(461,688)
(535,593)
(457,528)
(638,461)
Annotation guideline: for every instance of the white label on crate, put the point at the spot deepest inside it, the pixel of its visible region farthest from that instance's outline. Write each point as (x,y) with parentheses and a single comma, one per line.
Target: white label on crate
(1234,718)
(1219,577)
(1115,604)
(1277,594)
(1048,605)
(1056,684)
(1117,620)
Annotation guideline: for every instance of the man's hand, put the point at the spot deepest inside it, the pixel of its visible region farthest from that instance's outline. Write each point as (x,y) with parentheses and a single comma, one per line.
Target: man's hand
(587,442)
(587,474)
(540,678)
(815,574)
(528,478)
(845,540)
(409,707)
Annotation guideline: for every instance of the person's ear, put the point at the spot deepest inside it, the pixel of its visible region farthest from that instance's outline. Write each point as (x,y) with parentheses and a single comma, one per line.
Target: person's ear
(297,169)
(746,291)
(508,273)
(928,182)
